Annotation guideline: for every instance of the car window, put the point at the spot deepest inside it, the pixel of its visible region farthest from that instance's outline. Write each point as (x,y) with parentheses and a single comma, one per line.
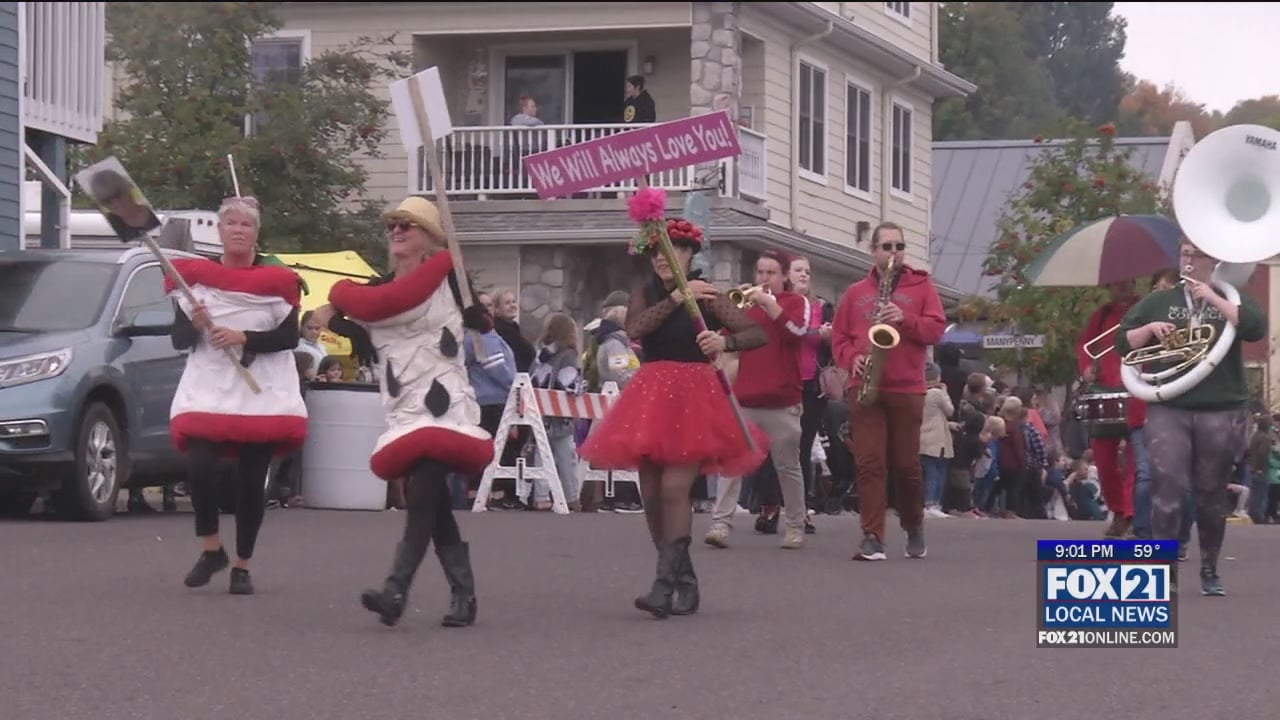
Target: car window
(145,292)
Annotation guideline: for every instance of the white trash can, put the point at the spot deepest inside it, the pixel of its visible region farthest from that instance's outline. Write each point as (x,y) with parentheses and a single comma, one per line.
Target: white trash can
(343,425)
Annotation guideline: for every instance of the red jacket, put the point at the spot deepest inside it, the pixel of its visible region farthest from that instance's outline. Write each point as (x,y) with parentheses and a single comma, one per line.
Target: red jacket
(1105,318)
(922,325)
(769,376)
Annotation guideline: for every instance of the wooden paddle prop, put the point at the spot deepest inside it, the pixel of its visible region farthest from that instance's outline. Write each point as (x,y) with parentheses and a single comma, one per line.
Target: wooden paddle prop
(113,164)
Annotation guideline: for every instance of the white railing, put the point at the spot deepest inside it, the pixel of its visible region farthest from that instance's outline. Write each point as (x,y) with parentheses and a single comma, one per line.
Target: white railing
(753,165)
(63,67)
(485,162)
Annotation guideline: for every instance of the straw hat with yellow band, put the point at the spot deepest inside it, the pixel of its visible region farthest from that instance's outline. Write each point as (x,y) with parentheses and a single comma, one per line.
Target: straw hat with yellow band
(421,212)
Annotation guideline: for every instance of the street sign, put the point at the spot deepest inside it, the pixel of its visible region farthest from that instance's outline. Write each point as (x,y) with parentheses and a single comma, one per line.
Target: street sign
(1009,342)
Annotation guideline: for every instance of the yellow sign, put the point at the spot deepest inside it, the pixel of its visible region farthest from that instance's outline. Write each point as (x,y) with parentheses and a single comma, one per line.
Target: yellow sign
(321,271)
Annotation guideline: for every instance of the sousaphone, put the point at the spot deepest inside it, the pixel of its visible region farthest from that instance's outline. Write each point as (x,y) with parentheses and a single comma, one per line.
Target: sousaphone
(1226,198)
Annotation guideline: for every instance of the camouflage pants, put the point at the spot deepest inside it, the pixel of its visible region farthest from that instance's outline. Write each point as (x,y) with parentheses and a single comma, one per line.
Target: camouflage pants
(1193,451)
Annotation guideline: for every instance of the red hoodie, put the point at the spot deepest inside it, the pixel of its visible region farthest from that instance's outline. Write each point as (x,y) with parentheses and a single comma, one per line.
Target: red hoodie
(769,376)
(1104,318)
(922,325)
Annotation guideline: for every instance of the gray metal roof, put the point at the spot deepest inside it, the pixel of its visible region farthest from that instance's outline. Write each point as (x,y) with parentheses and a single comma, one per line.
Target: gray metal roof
(972,182)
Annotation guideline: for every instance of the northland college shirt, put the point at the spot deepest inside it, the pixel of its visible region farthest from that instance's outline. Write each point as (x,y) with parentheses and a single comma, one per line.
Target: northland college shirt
(1225,388)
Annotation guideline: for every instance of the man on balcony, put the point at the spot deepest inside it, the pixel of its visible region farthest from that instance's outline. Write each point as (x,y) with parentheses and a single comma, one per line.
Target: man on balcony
(638,107)
(528,115)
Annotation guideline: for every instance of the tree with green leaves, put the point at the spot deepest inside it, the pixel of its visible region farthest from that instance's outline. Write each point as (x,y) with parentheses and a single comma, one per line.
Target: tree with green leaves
(1080,44)
(191,95)
(1084,178)
(986,44)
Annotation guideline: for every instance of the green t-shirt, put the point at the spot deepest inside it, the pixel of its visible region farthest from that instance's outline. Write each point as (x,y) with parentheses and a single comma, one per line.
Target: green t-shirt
(1225,387)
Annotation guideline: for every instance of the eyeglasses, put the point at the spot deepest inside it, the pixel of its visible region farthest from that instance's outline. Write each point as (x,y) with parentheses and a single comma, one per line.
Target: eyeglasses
(247,200)
(893,247)
(401,225)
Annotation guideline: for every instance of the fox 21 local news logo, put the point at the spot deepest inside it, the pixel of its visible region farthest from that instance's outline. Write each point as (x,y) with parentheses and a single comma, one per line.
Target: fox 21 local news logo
(1106,593)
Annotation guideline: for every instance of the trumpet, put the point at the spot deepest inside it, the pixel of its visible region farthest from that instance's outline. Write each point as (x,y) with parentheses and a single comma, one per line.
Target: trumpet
(741,297)
(1186,347)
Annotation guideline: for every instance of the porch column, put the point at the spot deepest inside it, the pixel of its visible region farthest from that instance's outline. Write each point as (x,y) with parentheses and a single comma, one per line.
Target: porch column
(52,150)
(716,63)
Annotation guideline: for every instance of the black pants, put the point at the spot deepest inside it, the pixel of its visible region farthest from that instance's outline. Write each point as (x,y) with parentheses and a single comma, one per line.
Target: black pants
(250,480)
(815,410)
(430,507)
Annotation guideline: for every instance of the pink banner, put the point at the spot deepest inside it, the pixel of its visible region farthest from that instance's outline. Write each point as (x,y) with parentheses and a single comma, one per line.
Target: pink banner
(632,153)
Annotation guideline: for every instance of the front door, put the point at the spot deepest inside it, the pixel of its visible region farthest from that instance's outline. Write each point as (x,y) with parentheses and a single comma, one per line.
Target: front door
(152,368)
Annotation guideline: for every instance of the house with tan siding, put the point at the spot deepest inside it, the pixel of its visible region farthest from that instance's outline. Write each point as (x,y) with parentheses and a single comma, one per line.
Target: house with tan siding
(833,102)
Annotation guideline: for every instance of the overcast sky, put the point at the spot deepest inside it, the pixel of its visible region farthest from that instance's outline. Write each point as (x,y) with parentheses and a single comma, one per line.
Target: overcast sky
(1218,53)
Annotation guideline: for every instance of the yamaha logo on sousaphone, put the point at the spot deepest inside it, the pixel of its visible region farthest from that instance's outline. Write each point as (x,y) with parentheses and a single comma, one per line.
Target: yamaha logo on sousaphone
(1264,143)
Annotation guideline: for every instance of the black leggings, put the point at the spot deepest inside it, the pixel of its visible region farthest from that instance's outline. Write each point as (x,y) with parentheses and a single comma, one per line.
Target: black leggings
(815,410)
(203,458)
(430,513)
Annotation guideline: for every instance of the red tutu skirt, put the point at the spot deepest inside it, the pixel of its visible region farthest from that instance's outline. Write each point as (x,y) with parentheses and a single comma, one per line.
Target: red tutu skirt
(674,414)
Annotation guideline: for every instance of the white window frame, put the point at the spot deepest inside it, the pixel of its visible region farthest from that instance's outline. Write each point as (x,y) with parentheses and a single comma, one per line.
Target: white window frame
(817,175)
(498,55)
(908,194)
(304,57)
(854,82)
(22,125)
(900,11)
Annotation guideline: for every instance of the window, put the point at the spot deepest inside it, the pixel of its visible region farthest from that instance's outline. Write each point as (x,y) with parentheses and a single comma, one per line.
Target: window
(277,59)
(857,139)
(899,9)
(144,293)
(901,178)
(812,153)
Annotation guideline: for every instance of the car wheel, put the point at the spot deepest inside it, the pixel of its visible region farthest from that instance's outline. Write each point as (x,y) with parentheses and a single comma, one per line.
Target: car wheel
(102,467)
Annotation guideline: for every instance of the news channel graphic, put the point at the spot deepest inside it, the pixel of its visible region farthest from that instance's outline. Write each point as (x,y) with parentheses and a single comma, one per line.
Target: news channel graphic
(1106,594)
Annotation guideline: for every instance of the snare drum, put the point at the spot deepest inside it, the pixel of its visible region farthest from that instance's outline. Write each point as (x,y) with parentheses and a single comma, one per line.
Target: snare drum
(1104,414)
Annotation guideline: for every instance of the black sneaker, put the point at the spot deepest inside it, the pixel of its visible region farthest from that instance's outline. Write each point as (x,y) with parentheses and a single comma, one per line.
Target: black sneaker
(916,548)
(870,549)
(240,582)
(1210,583)
(205,567)
(809,528)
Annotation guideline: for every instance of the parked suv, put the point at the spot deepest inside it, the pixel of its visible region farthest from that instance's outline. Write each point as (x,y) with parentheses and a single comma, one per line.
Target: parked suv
(87,376)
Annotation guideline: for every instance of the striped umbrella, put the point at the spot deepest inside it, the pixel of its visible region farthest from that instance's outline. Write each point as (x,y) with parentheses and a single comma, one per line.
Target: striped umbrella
(1107,251)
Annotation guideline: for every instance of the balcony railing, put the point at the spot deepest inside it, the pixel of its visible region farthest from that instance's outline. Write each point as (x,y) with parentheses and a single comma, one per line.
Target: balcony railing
(485,162)
(62,67)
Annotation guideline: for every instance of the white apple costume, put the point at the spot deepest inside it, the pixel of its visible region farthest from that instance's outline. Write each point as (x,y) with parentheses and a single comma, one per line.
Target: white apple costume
(212,401)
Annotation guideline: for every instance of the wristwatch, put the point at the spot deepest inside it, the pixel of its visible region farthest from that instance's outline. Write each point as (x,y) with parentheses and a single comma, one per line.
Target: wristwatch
(731,344)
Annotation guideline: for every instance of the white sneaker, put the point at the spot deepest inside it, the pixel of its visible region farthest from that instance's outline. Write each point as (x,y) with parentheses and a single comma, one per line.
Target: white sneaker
(793,538)
(717,536)
(935,512)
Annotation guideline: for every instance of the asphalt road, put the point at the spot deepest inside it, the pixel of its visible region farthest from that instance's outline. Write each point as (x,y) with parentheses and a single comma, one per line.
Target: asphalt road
(97,625)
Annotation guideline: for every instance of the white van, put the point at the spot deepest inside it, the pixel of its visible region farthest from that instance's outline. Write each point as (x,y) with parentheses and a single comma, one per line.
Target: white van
(89,229)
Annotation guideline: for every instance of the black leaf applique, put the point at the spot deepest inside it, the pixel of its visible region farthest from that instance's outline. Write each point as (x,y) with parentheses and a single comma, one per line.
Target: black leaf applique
(393,382)
(448,344)
(437,400)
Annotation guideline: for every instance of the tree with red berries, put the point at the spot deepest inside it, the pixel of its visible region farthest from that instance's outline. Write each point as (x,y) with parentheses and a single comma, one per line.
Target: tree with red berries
(190,95)
(1084,178)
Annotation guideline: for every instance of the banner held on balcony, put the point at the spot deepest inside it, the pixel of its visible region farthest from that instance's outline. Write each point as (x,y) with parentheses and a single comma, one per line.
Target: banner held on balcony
(635,153)
(422,114)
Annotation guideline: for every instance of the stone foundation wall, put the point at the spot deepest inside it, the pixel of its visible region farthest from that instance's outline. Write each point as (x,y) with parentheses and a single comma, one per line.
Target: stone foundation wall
(716,58)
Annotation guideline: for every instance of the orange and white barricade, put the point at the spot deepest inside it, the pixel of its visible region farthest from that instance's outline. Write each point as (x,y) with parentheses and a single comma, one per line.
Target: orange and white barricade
(527,406)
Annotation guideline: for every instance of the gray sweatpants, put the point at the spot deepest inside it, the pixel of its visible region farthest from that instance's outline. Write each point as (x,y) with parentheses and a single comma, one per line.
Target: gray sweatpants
(783,428)
(1193,450)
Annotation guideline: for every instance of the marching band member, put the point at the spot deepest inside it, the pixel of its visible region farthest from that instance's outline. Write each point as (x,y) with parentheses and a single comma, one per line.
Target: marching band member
(412,320)
(770,390)
(1194,439)
(885,436)
(215,413)
(1117,479)
(674,421)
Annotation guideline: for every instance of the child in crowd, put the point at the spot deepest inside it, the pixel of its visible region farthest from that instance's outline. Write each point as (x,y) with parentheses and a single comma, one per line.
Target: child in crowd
(987,467)
(1084,489)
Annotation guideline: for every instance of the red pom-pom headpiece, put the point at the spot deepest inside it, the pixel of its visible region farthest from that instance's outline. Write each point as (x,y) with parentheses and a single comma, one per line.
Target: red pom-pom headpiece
(648,208)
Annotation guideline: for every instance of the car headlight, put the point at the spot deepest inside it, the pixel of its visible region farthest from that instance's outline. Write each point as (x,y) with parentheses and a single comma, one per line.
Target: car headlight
(31,368)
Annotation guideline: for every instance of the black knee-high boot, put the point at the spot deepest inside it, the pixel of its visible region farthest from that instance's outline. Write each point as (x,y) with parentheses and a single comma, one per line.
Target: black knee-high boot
(456,561)
(686,585)
(658,601)
(389,602)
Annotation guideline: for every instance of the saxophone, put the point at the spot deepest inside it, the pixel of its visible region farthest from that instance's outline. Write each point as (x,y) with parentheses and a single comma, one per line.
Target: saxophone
(883,337)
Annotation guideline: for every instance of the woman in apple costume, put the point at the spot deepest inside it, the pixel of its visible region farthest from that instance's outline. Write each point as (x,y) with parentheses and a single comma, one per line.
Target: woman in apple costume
(251,306)
(410,323)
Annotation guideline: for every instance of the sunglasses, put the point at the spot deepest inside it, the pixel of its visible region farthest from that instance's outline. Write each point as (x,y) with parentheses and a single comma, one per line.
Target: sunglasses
(401,225)
(247,200)
(893,247)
